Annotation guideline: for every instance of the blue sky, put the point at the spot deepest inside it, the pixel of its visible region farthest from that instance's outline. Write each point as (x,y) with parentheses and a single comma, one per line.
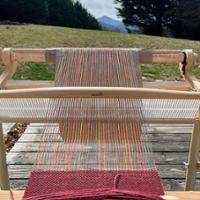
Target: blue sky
(99,8)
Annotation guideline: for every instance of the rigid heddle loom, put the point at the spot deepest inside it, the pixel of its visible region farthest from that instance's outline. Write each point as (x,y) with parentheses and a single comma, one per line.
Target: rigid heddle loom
(98,147)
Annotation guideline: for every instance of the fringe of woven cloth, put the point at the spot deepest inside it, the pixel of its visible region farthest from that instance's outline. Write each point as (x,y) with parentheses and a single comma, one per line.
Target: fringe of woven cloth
(98,194)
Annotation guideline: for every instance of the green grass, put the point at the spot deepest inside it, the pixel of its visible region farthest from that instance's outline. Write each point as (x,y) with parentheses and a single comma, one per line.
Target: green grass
(34,71)
(32,36)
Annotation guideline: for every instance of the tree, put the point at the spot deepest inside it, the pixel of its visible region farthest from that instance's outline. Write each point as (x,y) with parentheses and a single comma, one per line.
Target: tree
(3,10)
(31,11)
(70,14)
(187,23)
(67,13)
(83,18)
(151,16)
(61,13)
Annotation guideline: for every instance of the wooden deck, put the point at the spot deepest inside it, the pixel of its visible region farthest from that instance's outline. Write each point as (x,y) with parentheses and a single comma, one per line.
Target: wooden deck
(170,144)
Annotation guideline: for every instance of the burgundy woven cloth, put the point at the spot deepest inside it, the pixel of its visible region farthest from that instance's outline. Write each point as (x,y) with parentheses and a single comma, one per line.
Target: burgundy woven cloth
(140,185)
(97,194)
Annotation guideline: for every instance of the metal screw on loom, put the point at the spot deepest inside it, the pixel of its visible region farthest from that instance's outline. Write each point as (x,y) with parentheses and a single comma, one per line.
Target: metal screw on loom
(193,90)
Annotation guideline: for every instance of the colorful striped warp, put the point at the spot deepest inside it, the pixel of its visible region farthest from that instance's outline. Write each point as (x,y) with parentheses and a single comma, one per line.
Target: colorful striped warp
(99,149)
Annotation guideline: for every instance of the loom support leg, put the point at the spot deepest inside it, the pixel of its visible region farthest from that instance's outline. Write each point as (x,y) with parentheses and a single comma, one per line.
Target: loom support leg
(193,158)
(4,179)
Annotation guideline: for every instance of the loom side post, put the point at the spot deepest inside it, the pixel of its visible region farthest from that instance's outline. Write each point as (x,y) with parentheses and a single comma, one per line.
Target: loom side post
(186,68)
(6,57)
(193,158)
(4,178)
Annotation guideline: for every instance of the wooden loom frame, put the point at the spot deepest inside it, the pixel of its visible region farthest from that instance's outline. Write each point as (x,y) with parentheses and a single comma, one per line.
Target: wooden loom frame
(9,57)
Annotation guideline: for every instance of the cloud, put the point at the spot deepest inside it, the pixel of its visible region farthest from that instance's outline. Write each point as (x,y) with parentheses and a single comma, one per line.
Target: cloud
(99,8)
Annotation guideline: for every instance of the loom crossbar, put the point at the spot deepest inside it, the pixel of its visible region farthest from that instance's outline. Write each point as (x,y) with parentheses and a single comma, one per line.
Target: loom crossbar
(99,92)
(10,56)
(49,55)
(152,109)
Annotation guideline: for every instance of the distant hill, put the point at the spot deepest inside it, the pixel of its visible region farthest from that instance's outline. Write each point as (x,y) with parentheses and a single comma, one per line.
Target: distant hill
(110,24)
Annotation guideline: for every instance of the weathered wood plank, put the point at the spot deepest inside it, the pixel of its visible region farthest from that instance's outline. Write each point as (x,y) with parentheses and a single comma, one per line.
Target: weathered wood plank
(172,130)
(36,128)
(170,125)
(152,137)
(18,184)
(28,158)
(165,171)
(157,147)
(177,184)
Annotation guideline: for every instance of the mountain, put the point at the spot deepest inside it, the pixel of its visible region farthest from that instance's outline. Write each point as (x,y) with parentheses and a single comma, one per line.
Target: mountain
(110,24)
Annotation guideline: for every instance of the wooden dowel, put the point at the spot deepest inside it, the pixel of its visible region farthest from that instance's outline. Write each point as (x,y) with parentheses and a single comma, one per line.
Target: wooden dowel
(10,66)
(151,57)
(1,55)
(193,158)
(145,56)
(4,179)
(168,85)
(100,92)
(49,55)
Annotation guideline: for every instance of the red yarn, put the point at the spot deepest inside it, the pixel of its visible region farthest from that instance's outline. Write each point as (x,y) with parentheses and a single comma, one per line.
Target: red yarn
(60,185)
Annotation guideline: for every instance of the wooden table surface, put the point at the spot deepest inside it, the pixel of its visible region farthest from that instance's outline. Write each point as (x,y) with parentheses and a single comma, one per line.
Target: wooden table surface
(17,195)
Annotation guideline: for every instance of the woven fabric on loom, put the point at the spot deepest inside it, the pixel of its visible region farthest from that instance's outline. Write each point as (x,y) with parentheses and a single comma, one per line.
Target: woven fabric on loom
(99,149)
